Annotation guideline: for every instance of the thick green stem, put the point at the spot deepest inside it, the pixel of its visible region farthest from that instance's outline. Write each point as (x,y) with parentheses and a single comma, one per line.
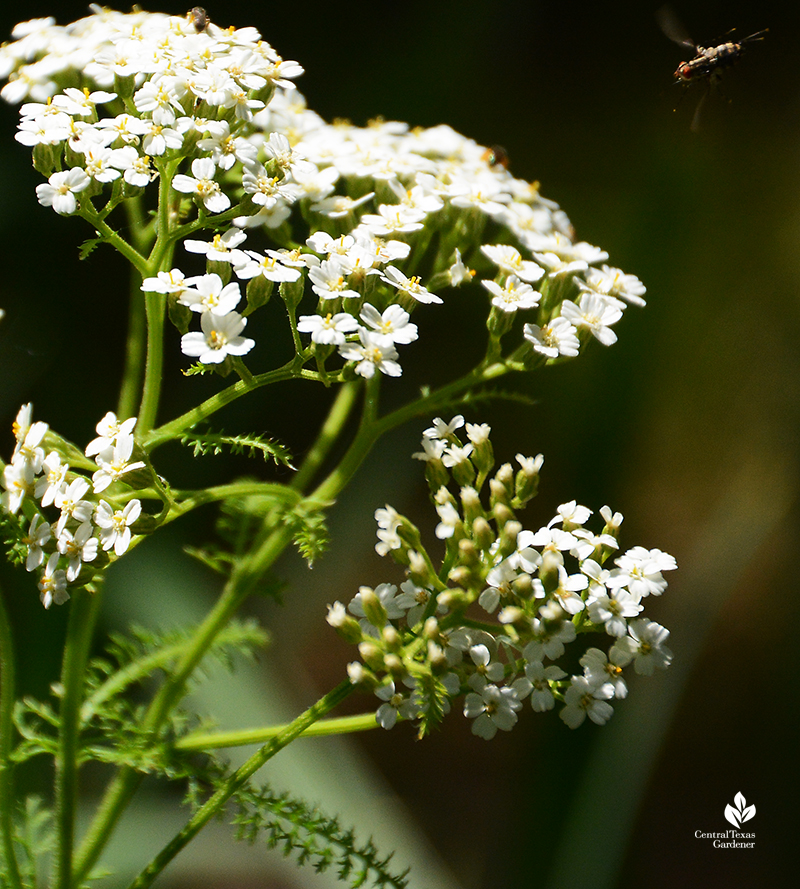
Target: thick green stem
(206,812)
(135,350)
(122,788)
(80,628)
(7,699)
(154,366)
(331,430)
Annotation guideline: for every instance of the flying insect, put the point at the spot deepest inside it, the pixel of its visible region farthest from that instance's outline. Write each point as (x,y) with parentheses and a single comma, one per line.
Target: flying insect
(709,61)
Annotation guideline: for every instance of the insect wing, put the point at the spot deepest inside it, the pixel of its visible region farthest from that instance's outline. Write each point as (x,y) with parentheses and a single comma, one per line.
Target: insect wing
(671,25)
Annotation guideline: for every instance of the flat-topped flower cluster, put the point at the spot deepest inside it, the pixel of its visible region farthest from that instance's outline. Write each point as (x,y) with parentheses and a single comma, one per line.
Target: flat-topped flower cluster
(506,604)
(87,528)
(369,221)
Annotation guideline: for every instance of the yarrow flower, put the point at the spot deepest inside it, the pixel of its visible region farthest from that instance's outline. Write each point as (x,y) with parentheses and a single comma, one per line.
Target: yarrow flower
(540,592)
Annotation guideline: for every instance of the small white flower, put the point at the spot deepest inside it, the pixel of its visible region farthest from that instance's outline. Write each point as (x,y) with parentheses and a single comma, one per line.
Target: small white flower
(492,709)
(328,329)
(371,354)
(585,698)
(114,524)
(60,189)
(221,337)
(203,185)
(208,294)
(53,583)
(394,324)
(595,313)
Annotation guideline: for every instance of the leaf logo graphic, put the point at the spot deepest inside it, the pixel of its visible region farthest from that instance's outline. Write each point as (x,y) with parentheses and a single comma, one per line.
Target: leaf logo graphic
(739,813)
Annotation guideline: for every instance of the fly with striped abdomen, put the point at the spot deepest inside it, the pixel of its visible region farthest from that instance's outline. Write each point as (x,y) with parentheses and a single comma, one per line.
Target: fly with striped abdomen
(709,61)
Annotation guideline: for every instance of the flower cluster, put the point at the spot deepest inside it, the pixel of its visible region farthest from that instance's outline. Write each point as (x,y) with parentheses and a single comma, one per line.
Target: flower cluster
(506,604)
(87,529)
(351,214)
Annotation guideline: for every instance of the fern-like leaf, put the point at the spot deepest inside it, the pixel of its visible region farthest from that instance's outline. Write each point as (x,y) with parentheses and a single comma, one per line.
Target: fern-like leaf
(216,442)
(311,838)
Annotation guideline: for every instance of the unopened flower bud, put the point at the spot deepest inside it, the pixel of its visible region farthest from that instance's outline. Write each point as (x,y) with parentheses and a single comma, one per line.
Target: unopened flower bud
(430,629)
(391,638)
(502,514)
(394,665)
(436,656)
(258,291)
(483,455)
(419,570)
(508,538)
(374,610)
(482,533)
(526,484)
(463,472)
(468,554)
(360,675)
(523,586)
(499,493)
(471,503)
(454,599)
(347,627)
(371,655)
(552,560)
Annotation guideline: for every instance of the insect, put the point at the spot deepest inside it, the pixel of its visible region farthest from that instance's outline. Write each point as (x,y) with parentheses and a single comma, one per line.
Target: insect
(709,61)
(496,156)
(199,18)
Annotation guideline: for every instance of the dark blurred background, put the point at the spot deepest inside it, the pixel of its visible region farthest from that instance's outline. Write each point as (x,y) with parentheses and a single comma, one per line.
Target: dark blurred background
(688,426)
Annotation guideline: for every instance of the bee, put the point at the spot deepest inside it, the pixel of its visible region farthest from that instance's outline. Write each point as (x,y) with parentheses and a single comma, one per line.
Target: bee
(709,61)
(199,18)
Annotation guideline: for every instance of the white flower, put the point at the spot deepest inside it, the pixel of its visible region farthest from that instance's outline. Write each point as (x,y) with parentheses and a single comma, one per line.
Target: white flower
(411,286)
(328,329)
(559,337)
(443,430)
(371,354)
(38,535)
(53,583)
(72,506)
(221,337)
(640,570)
(595,313)
(114,462)
(396,705)
(584,698)
(270,266)
(60,189)
(538,677)
(598,669)
(614,283)
(209,295)
(203,185)
(644,645)
(329,279)
(509,260)
(53,480)
(114,525)
(107,431)
(79,547)
(394,324)
(492,709)
(513,295)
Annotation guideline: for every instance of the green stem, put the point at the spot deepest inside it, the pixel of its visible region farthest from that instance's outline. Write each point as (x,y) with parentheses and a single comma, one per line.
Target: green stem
(216,402)
(155,305)
(331,430)
(344,725)
(82,619)
(122,788)
(7,700)
(206,812)
(133,373)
